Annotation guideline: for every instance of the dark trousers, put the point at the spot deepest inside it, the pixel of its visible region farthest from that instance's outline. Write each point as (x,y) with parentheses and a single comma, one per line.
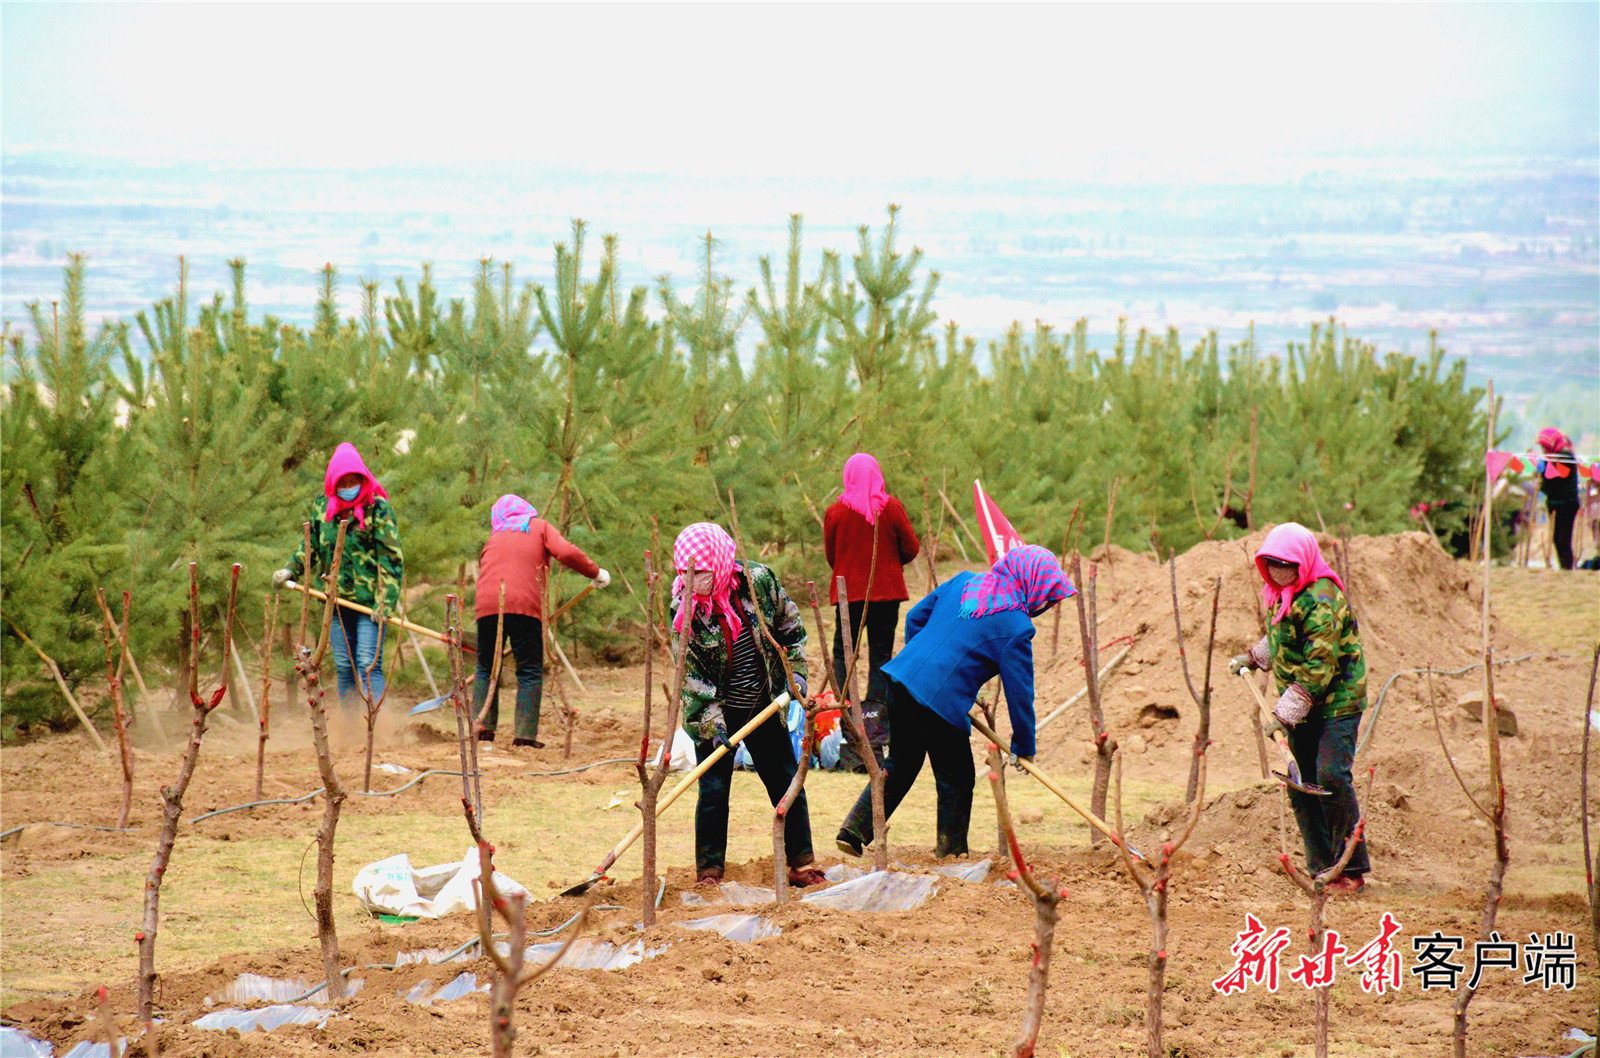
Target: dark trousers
(917,732)
(1561,519)
(1324,750)
(883,617)
(773,755)
(526,636)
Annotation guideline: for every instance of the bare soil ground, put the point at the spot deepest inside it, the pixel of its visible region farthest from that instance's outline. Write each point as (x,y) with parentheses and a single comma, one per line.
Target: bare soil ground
(945,978)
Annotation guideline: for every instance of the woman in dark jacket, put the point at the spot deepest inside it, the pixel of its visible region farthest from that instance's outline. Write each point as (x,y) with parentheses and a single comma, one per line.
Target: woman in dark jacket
(516,555)
(1559,483)
(730,674)
(866,518)
(969,630)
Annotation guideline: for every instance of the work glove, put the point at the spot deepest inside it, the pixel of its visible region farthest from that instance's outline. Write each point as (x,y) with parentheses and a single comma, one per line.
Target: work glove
(601,579)
(1240,663)
(1273,727)
(800,681)
(281,577)
(1016,761)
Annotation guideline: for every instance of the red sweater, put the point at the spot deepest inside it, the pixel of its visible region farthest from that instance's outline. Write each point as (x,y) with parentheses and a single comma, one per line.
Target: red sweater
(520,559)
(847,539)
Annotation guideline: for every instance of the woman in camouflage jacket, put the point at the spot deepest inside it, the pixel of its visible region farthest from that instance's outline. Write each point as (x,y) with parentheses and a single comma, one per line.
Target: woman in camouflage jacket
(730,674)
(370,568)
(1313,649)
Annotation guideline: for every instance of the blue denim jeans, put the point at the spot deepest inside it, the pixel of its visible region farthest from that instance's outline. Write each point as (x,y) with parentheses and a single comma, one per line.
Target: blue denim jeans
(358,631)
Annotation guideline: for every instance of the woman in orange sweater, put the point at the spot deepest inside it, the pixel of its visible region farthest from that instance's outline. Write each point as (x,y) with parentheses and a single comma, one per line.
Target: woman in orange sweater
(517,553)
(865,518)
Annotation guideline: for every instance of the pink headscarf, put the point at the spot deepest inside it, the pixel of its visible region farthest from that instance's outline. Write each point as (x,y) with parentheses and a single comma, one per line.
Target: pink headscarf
(706,546)
(346,460)
(1553,440)
(511,514)
(1291,542)
(864,491)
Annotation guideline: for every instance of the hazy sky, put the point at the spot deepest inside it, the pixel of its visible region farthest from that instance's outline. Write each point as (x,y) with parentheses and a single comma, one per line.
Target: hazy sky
(895,90)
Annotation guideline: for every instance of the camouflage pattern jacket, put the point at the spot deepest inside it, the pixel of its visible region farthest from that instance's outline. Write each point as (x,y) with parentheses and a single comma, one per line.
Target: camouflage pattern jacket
(370,555)
(705,674)
(1316,645)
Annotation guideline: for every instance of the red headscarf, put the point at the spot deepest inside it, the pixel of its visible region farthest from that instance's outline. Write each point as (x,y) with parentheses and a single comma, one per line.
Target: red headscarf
(706,546)
(1291,542)
(1553,440)
(864,491)
(346,460)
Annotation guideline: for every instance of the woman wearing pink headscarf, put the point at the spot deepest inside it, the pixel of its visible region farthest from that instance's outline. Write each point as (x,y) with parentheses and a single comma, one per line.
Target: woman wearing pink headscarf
(1313,649)
(731,673)
(863,517)
(517,556)
(1559,483)
(371,568)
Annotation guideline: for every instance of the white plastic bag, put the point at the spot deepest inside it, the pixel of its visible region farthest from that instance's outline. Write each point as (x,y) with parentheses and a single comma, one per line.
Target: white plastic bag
(393,887)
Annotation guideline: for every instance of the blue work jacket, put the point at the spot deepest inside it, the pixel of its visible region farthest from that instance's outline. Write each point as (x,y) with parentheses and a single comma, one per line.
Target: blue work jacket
(948,658)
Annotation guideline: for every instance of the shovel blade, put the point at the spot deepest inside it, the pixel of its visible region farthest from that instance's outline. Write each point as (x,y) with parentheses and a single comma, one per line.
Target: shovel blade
(583,886)
(428,706)
(1293,783)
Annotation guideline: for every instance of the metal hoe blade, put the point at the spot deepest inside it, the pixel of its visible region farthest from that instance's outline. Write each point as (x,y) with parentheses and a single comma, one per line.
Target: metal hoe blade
(428,706)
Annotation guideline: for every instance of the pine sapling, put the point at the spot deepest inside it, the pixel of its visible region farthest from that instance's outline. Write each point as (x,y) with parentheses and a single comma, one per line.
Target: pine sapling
(119,714)
(1045,899)
(310,669)
(172,796)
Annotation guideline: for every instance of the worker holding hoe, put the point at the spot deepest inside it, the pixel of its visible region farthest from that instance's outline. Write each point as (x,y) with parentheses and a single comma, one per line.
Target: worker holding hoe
(730,674)
(963,634)
(1313,649)
(516,557)
(371,567)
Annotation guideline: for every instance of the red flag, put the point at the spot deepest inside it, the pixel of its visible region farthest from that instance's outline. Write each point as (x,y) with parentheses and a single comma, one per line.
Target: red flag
(998,536)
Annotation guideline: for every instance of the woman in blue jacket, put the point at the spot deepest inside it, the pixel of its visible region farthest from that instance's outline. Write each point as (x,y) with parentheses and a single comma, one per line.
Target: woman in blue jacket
(967,631)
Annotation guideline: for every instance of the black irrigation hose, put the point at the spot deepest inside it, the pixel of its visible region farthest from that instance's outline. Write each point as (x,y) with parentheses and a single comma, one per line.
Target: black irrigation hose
(75,826)
(384,793)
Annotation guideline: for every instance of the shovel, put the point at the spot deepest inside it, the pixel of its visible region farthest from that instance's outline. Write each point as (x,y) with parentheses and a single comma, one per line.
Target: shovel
(717,754)
(1293,779)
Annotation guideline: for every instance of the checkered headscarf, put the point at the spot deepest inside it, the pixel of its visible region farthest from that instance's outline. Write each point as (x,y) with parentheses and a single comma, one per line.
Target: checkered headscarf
(1028,578)
(706,546)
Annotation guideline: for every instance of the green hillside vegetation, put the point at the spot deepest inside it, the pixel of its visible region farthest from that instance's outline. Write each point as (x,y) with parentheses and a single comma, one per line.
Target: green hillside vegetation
(199,431)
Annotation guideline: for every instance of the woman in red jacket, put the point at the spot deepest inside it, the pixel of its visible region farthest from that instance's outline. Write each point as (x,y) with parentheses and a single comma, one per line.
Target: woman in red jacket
(516,554)
(866,514)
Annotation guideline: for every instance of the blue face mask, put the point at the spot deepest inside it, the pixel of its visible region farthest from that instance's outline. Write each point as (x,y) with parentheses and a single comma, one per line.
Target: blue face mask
(349,493)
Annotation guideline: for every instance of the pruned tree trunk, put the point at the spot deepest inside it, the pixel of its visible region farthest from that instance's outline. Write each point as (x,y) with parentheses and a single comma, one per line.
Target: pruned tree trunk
(1045,899)
(269,623)
(1202,699)
(856,728)
(1105,745)
(119,714)
(650,784)
(172,796)
(333,794)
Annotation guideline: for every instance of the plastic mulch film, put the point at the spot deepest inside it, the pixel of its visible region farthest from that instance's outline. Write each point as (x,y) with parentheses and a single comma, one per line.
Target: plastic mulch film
(878,891)
(693,899)
(436,955)
(254,988)
(743,928)
(464,984)
(91,1049)
(740,895)
(587,953)
(264,1018)
(14,1043)
(965,872)
(842,872)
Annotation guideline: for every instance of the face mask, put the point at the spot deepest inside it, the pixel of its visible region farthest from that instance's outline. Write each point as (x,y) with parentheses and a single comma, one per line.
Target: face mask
(348,494)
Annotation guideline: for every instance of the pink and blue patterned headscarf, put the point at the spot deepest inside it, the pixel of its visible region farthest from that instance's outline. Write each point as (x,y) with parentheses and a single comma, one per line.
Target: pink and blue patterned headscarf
(511,514)
(1027,578)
